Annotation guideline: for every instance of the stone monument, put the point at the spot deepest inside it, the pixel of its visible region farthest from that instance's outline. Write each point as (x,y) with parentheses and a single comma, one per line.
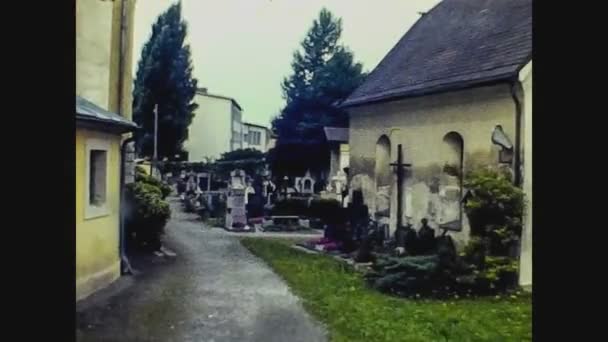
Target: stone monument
(306,184)
(236,214)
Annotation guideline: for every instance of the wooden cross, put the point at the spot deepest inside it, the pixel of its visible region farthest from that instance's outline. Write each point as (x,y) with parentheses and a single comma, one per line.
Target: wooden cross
(399,169)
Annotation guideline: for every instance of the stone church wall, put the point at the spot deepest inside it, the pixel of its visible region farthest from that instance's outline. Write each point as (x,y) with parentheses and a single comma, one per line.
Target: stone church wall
(430,129)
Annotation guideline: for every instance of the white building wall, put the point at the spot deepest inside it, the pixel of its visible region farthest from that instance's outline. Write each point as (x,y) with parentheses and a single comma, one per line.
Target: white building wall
(210,132)
(237,129)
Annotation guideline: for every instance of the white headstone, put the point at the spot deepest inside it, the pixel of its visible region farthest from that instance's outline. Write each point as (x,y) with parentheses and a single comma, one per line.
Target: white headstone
(298,184)
(339,182)
(307,184)
(237,179)
(235,204)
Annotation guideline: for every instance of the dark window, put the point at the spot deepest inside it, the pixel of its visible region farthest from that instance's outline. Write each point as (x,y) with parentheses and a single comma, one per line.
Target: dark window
(97,177)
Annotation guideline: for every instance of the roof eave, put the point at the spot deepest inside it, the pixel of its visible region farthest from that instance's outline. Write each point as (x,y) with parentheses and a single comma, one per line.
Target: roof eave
(507,78)
(84,121)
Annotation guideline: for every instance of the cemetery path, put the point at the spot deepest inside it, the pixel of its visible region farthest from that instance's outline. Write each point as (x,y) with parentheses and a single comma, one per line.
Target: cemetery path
(214,290)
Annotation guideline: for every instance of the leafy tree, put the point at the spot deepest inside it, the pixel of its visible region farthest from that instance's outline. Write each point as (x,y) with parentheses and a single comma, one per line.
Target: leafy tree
(250,160)
(164,78)
(324,73)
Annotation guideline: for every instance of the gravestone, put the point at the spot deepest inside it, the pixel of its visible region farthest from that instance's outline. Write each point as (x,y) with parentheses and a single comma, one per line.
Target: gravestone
(130,164)
(204,181)
(237,179)
(339,185)
(257,199)
(307,184)
(268,190)
(236,213)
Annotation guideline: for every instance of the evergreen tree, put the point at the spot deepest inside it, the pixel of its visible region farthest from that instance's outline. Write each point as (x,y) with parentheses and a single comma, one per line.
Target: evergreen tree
(164,78)
(324,73)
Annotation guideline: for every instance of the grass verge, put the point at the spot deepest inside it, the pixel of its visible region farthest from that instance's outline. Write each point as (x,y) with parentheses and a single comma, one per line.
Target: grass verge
(339,298)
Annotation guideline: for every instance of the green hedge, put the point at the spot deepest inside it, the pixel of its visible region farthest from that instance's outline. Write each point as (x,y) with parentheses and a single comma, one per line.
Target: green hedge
(291,207)
(327,210)
(141,176)
(147,215)
(445,274)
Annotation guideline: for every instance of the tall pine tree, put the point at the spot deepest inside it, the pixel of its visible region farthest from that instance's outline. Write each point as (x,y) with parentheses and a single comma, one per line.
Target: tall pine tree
(164,78)
(324,73)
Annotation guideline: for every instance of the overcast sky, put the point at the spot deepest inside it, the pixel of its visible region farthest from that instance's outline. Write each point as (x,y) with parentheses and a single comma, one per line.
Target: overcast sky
(243,48)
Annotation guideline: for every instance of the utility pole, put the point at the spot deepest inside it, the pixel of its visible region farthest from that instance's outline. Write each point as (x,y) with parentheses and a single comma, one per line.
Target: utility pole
(155,156)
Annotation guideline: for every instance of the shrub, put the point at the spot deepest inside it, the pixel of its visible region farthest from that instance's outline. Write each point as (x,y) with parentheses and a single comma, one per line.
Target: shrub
(495,209)
(141,176)
(475,251)
(328,210)
(147,215)
(190,204)
(444,274)
(291,207)
(218,209)
(499,273)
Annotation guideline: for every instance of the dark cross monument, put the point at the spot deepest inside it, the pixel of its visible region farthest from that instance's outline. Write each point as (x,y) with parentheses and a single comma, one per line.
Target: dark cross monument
(400,170)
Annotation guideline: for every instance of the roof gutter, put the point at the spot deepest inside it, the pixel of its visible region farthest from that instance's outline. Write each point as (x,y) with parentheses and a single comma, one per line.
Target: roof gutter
(121,58)
(445,88)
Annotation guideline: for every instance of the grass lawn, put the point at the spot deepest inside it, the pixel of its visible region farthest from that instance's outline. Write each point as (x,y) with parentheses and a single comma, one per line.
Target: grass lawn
(352,312)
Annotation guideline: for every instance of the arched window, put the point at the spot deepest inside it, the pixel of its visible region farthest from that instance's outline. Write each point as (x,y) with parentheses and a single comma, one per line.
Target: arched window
(451,184)
(453,154)
(383,176)
(383,159)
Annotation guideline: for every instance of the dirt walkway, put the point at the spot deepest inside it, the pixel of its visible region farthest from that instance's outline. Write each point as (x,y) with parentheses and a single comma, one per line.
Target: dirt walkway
(214,290)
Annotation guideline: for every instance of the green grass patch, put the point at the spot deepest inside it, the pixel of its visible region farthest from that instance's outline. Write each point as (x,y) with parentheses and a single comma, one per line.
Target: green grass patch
(338,297)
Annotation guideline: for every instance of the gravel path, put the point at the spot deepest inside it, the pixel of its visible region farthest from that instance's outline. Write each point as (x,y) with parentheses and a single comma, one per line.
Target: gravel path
(214,290)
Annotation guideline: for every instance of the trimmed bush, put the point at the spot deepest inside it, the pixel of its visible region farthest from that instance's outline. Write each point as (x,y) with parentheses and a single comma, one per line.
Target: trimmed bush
(495,209)
(328,210)
(291,207)
(445,274)
(147,215)
(141,176)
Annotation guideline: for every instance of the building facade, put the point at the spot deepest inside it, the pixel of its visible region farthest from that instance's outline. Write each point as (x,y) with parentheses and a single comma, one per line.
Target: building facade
(442,93)
(256,137)
(216,128)
(103,111)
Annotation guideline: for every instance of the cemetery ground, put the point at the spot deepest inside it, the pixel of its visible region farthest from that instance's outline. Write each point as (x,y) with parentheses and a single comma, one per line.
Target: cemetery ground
(216,289)
(338,297)
(213,290)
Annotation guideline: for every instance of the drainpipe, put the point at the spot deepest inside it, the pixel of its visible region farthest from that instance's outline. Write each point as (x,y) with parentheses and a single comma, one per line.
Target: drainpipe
(124,261)
(514,87)
(514,84)
(121,55)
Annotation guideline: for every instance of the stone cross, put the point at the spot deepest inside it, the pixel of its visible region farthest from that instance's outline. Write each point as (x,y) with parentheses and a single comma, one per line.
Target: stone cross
(400,170)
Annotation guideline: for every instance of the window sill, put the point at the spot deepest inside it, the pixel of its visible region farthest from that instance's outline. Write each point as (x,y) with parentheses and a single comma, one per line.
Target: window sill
(93,212)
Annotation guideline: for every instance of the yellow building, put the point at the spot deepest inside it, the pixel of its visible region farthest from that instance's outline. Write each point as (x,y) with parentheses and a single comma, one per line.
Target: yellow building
(451,84)
(103,112)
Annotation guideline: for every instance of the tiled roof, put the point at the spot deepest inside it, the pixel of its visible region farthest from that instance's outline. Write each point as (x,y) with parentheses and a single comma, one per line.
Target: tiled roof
(457,44)
(339,134)
(90,112)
